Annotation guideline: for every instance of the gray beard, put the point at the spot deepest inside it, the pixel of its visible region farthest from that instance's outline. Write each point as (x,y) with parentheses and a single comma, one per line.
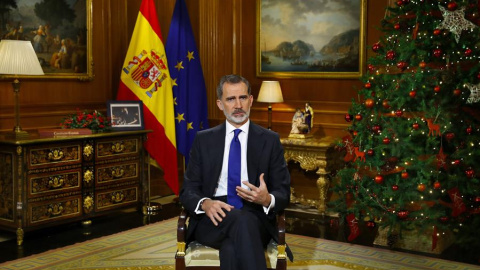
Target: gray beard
(237,120)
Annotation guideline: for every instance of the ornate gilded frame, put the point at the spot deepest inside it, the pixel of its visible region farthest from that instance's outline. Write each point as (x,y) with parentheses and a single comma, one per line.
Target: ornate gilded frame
(84,69)
(305,68)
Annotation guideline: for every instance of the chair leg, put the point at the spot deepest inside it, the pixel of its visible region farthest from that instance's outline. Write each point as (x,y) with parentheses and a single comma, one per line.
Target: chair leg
(180,263)
(281,264)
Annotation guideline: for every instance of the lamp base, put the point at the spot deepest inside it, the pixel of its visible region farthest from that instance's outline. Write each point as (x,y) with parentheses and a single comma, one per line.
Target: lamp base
(17,134)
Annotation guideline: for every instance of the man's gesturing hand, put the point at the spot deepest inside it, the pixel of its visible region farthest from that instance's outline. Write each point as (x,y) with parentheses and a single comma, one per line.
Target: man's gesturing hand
(258,195)
(215,210)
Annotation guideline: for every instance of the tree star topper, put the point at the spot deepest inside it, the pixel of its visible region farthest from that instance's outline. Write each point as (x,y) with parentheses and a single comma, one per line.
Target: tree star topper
(455,21)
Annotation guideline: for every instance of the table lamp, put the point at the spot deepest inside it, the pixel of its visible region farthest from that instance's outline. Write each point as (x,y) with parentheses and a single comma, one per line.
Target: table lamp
(17,57)
(270,92)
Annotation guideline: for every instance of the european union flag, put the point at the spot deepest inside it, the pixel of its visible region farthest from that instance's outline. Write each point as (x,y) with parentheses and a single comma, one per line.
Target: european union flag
(189,88)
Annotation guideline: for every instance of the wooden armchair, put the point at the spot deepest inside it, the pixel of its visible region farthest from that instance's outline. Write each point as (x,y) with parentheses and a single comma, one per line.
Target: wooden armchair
(197,256)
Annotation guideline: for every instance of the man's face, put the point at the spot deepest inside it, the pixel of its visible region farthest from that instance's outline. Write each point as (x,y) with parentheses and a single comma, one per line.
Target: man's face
(235,103)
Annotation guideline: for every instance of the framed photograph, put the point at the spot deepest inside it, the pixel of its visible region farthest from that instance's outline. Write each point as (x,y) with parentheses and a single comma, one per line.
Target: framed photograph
(60,32)
(125,115)
(310,39)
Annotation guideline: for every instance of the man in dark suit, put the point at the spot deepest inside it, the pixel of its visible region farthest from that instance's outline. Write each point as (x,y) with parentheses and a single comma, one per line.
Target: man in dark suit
(238,220)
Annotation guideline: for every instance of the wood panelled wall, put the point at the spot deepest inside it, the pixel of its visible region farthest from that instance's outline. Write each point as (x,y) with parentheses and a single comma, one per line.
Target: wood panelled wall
(225,31)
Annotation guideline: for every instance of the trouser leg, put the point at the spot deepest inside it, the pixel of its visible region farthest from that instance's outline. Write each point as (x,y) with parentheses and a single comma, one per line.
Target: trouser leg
(240,237)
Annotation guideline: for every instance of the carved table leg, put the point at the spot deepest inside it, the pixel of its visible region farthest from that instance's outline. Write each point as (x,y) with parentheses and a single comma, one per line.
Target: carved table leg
(322,184)
(20,234)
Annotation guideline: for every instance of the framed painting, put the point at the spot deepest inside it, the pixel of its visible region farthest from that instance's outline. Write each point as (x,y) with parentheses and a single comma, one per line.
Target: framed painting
(125,115)
(310,39)
(60,32)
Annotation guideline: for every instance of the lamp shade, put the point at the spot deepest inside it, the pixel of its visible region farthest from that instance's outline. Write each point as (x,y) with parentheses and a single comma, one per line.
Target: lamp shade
(270,92)
(17,57)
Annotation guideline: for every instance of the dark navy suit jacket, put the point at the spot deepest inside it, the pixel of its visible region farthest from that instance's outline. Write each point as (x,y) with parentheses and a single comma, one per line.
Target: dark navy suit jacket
(264,155)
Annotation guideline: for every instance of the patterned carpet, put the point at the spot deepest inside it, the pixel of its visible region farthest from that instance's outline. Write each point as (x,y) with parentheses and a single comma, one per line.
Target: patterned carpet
(153,247)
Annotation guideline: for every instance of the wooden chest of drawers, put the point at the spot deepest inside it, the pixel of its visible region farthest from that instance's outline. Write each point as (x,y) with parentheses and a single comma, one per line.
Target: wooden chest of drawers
(47,181)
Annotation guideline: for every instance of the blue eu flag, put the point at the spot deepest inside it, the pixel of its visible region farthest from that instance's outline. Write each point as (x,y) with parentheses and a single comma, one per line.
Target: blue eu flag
(189,90)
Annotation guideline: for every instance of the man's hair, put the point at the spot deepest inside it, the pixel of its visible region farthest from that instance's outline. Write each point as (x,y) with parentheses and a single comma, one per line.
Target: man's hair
(232,79)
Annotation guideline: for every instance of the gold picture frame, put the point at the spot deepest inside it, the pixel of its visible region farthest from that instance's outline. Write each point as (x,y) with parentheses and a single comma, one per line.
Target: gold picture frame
(62,40)
(310,39)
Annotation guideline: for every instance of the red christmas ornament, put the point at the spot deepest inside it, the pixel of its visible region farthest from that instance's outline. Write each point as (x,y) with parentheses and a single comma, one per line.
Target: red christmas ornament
(477,199)
(437,52)
(457,92)
(456,162)
(355,133)
(437,185)
(397,26)
(404,175)
(386,140)
(376,128)
(371,67)
(421,187)
(412,93)
(403,214)
(402,65)
(376,47)
(469,130)
(390,55)
(437,88)
(470,173)
(348,117)
(422,64)
(371,224)
(399,3)
(399,113)
(444,219)
(358,117)
(368,85)
(452,6)
(370,152)
(378,179)
(369,103)
(415,126)
(437,32)
(395,187)
(468,52)
(450,136)
(385,104)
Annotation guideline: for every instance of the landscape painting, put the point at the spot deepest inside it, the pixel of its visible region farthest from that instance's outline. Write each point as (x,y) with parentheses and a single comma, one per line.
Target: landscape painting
(60,32)
(310,39)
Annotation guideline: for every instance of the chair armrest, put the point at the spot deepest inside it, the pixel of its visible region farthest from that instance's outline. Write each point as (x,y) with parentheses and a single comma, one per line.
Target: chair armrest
(181,225)
(281,227)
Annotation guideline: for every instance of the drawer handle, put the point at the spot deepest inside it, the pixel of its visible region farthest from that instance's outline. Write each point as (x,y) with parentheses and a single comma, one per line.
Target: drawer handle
(118,147)
(87,176)
(55,155)
(55,209)
(87,150)
(117,197)
(118,172)
(88,204)
(56,181)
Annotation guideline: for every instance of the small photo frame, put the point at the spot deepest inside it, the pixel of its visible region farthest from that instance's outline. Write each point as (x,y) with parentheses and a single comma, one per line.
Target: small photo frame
(125,114)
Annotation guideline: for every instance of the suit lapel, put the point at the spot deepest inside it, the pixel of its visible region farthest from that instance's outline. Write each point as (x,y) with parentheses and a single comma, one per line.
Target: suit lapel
(254,150)
(216,145)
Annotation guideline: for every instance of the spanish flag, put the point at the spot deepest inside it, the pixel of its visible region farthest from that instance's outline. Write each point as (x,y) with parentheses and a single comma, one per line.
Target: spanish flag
(145,77)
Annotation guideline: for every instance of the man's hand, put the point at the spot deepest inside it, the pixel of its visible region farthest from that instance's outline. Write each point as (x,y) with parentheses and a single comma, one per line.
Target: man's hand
(258,195)
(215,210)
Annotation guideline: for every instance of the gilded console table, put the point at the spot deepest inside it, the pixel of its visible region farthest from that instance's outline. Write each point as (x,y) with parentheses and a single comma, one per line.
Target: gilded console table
(46,181)
(313,154)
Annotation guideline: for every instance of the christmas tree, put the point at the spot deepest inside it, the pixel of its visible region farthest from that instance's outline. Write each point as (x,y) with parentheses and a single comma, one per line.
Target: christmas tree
(413,157)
